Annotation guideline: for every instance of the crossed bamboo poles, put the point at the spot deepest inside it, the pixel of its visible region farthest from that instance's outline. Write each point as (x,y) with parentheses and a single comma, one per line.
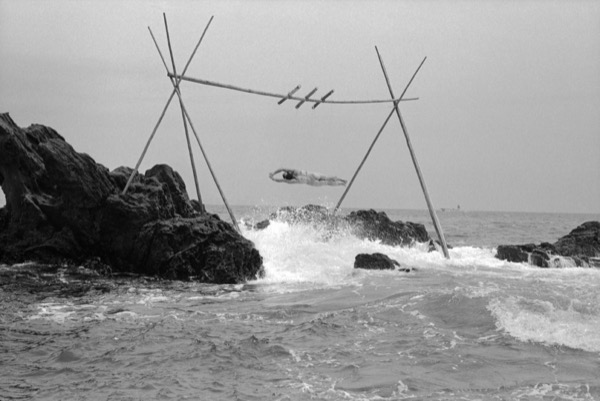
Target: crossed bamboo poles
(186,120)
(176,80)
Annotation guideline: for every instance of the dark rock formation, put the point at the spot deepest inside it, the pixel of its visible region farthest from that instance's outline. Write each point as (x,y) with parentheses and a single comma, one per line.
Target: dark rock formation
(374,225)
(61,206)
(365,224)
(581,247)
(375,261)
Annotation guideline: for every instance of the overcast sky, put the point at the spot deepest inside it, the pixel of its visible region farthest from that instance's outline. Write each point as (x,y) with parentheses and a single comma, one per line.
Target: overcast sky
(508,116)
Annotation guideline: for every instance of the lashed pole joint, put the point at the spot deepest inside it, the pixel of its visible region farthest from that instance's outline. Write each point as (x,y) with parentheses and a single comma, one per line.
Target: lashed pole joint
(436,222)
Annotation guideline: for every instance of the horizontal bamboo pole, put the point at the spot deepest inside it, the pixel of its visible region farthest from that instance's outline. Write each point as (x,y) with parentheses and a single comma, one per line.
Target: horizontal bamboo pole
(280,96)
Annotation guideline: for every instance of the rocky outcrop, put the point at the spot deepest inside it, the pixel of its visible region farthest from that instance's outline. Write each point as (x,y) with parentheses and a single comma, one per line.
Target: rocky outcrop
(365,224)
(61,206)
(378,261)
(375,261)
(372,225)
(581,247)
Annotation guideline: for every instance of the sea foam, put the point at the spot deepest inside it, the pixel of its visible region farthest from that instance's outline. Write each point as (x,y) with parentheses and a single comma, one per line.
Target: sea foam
(548,322)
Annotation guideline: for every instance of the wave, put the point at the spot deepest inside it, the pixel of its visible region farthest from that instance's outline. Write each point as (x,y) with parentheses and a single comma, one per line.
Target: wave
(574,325)
(299,252)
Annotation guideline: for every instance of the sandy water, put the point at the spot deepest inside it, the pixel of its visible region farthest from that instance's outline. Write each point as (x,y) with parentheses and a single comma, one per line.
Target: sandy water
(469,328)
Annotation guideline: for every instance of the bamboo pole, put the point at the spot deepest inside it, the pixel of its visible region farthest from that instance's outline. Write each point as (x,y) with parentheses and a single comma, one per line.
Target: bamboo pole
(280,96)
(432,213)
(185,127)
(162,114)
(362,162)
(376,137)
(189,120)
(137,166)
(233,219)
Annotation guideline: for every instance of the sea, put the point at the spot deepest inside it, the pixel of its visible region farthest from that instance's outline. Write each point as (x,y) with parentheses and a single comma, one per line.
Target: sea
(471,327)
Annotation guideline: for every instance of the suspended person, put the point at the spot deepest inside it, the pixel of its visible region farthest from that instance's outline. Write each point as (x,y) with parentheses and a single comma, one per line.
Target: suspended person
(293,176)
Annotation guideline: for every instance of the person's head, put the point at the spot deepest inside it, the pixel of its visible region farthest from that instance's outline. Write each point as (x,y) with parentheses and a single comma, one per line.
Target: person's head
(288,175)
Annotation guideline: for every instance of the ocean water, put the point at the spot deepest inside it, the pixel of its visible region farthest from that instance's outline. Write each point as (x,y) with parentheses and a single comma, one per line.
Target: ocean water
(469,328)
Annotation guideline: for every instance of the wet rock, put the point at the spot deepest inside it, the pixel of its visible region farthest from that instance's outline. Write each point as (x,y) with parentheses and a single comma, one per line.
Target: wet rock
(365,224)
(372,225)
(61,206)
(515,253)
(375,261)
(261,225)
(581,247)
(582,241)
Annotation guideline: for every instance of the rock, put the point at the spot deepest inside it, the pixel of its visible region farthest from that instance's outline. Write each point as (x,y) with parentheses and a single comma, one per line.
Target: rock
(261,225)
(582,241)
(581,247)
(375,261)
(365,224)
(515,253)
(374,225)
(61,206)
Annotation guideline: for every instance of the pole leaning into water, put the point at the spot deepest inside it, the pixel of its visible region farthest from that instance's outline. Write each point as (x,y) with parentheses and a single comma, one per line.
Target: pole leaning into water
(432,213)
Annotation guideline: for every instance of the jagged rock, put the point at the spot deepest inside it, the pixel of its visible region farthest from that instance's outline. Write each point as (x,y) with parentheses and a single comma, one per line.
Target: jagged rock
(582,241)
(581,247)
(515,253)
(374,225)
(376,261)
(365,224)
(63,206)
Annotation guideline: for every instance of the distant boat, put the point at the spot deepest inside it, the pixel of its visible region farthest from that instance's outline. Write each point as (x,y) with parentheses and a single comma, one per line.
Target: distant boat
(446,209)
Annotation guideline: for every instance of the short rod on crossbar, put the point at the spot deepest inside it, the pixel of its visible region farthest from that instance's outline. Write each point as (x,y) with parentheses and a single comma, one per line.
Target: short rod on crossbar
(290,93)
(432,213)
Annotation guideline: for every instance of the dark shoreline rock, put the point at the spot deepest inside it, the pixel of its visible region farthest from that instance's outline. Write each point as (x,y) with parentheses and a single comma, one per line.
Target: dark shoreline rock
(364,224)
(372,225)
(375,261)
(581,248)
(63,207)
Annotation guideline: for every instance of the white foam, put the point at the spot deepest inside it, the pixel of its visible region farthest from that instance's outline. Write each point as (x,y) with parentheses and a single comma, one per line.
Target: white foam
(548,322)
(308,254)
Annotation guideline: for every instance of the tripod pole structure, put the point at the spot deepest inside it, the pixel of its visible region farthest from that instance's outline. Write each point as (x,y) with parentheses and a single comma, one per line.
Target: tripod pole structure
(434,217)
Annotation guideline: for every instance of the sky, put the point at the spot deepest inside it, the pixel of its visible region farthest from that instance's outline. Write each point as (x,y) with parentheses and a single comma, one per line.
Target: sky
(508,116)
